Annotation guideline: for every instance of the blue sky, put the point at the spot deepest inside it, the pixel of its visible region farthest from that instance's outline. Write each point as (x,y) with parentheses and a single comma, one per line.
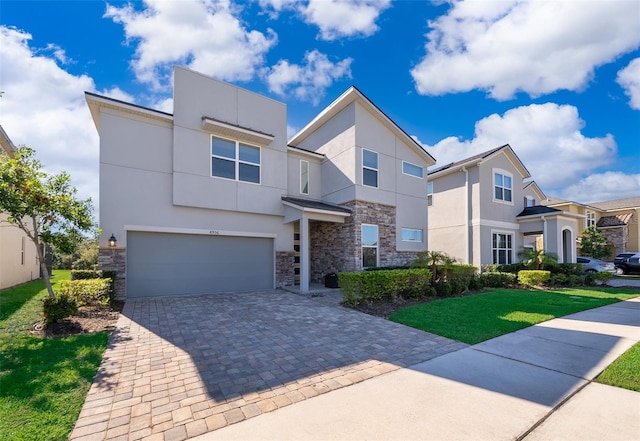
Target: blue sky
(558,81)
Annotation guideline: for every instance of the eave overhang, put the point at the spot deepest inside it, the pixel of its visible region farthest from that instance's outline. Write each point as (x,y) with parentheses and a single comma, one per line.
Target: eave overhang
(243,134)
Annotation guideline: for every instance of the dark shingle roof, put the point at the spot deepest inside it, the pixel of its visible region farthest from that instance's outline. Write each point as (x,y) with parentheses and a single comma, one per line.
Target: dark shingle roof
(318,205)
(538,209)
(614,221)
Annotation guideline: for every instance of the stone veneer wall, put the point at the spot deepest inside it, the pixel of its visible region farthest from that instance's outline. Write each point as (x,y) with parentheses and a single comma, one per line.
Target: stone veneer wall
(617,236)
(115,259)
(337,247)
(284,268)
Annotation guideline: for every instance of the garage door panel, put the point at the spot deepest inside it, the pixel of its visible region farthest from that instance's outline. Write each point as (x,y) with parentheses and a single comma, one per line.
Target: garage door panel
(174,264)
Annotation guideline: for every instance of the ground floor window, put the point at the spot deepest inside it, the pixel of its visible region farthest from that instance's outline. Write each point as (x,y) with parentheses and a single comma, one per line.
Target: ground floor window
(502,248)
(369,236)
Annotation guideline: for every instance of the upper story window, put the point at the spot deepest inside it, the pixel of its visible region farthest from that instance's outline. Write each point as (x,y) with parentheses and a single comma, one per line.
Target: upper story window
(235,160)
(429,193)
(591,218)
(304,177)
(529,201)
(412,169)
(369,168)
(503,187)
(411,235)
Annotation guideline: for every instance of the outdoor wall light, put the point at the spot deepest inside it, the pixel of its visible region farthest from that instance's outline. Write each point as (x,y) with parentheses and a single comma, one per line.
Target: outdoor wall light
(113,241)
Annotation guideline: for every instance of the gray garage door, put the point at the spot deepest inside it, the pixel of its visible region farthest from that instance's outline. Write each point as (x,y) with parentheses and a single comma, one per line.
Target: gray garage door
(161,264)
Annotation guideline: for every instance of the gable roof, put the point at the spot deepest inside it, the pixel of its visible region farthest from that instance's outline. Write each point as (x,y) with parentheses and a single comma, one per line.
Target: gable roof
(7,146)
(479,159)
(96,101)
(531,185)
(351,95)
(618,204)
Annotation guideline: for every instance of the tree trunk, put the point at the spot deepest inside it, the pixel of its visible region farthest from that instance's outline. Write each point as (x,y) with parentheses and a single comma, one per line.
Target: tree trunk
(43,263)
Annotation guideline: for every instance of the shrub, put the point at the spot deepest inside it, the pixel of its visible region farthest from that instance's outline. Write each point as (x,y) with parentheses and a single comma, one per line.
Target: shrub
(443,289)
(57,308)
(497,280)
(85,274)
(603,277)
(558,280)
(386,268)
(475,283)
(95,292)
(533,277)
(513,268)
(565,268)
(367,286)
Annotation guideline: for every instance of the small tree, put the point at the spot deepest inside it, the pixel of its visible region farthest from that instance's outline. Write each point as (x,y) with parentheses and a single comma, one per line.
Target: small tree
(437,261)
(43,206)
(594,244)
(536,259)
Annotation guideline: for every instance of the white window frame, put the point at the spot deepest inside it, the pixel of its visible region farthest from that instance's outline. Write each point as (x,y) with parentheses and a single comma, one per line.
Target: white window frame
(495,251)
(376,247)
(421,176)
(429,194)
(236,160)
(529,201)
(591,218)
(22,250)
(304,163)
(376,169)
(420,232)
(503,173)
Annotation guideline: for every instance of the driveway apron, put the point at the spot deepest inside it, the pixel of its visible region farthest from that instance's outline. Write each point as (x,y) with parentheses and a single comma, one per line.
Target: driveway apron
(178,367)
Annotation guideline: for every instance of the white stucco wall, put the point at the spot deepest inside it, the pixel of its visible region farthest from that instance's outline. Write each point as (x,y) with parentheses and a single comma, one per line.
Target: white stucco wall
(13,269)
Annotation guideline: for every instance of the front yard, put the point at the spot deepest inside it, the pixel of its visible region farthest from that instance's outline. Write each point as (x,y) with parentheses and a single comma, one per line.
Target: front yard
(43,381)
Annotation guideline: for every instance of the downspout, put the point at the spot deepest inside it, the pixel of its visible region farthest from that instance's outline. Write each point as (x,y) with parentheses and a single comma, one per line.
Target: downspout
(544,234)
(466,213)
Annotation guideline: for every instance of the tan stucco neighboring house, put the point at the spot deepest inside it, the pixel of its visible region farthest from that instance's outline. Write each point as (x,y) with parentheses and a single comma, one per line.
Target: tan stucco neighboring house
(212,197)
(617,219)
(18,257)
(484,209)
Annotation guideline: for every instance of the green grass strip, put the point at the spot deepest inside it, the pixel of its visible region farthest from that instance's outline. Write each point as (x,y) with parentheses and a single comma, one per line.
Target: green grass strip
(625,371)
(476,318)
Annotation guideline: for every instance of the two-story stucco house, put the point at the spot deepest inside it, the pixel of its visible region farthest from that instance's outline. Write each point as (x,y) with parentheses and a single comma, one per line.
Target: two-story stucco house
(484,209)
(618,220)
(213,198)
(18,257)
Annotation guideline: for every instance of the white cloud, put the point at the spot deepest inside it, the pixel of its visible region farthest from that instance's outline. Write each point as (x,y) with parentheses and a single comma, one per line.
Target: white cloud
(535,47)
(44,107)
(546,137)
(629,79)
(274,7)
(203,35)
(344,18)
(606,186)
(307,82)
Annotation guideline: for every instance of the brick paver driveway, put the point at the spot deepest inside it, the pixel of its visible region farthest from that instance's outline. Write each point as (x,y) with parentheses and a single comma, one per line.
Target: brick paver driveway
(179,367)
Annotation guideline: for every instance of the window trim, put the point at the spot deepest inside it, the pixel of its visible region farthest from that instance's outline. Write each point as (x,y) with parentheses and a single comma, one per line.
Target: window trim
(377,246)
(414,165)
(302,161)
(377,169)
(504,173)
(510,255)
(236,160)
(529,199)
(402,230)
(429,193)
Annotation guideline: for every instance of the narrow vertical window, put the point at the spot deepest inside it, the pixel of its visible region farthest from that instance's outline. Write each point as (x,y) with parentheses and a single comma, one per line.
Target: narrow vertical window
(304,177)
(429,193)
(22,250)
(369,237)
(369,168)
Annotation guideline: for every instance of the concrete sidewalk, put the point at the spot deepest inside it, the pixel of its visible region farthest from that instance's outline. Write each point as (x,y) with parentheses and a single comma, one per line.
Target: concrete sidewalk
(533,384)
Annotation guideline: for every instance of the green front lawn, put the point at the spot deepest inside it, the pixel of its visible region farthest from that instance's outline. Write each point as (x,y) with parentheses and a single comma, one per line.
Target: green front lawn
(43,381)
(625,371)
(476,318)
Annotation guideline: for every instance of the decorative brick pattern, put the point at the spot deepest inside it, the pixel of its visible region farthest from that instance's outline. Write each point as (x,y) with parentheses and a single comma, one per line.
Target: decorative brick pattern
(115,259)
(337,247)
(284,268)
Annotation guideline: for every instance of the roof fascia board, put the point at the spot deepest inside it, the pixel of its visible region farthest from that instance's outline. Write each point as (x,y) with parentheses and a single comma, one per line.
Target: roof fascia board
(305,152)
(96,102)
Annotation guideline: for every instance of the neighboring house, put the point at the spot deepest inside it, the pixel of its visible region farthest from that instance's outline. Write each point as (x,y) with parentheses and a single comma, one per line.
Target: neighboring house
(213,198)
(484,209)
(18,257)
(618,220)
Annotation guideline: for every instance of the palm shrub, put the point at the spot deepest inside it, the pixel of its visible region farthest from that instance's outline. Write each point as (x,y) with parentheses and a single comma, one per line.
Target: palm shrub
(536,259)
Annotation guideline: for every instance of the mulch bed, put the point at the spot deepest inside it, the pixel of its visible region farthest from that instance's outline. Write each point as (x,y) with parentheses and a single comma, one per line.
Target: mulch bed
(86,321)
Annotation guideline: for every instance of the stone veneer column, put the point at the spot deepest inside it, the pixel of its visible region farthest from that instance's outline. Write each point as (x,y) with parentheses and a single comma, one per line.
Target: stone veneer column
(115,259)
(284,268)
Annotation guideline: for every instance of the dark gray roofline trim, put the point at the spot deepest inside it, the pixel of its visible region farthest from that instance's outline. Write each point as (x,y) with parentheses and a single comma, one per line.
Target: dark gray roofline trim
(126,103)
